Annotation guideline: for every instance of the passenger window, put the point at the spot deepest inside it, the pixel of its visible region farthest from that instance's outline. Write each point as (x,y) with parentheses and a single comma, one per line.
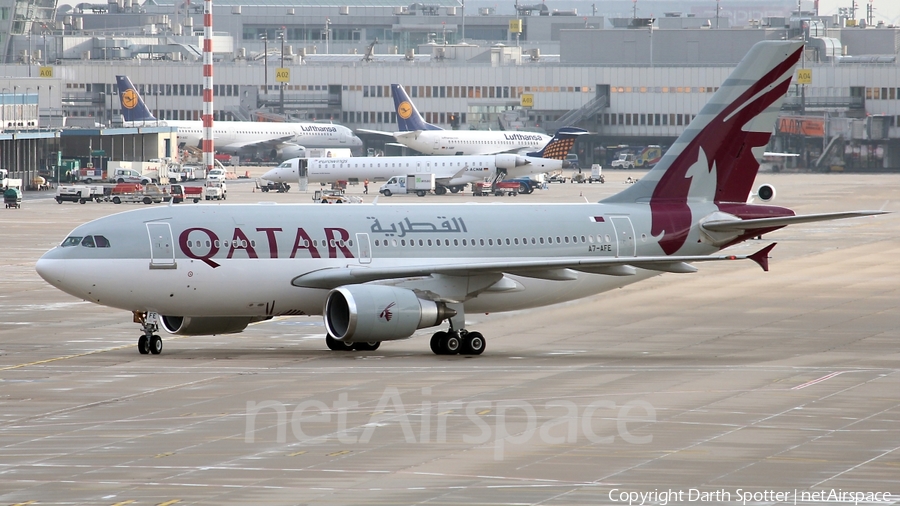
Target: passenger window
(71,241)
(88,242)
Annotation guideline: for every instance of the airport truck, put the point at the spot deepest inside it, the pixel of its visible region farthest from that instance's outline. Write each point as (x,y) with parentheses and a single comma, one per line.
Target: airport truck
(420,184)
(79,193)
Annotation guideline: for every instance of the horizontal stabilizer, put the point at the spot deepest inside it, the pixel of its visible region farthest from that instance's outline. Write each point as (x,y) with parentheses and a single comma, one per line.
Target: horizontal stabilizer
(741,225)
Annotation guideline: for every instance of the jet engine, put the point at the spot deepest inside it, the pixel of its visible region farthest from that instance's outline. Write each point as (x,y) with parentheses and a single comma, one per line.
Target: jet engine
(766,192)
(370,313)
(288,151)
(507,161)
(202,326)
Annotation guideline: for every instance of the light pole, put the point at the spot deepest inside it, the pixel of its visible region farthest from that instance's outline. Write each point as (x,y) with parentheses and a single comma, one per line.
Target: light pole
(3,109)
(327,34)
(281,91)
(15,108)
(24,98)
(30,59)
(265,39)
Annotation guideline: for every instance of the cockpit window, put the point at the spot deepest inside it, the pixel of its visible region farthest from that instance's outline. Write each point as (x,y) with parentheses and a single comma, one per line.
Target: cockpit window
(71,241)
(89,241)
(286,164)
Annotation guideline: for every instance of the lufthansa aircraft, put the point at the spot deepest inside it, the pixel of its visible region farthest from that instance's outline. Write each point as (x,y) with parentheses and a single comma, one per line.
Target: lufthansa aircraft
(378,272)
(278,140)
(451,172)
(429,139)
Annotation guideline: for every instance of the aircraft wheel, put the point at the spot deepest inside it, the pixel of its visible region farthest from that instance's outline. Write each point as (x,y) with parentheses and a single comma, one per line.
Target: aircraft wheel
(455,189)
(143,345)
(155,345)
(472,344)
(440,190)
(336,345)
(366,346)
(450,344)
(436,342)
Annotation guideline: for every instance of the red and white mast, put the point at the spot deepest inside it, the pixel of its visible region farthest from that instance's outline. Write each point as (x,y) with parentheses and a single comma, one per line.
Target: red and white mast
(207,117)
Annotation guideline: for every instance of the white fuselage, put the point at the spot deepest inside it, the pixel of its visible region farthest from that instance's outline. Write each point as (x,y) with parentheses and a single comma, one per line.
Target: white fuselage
(471,142)
(233,136)
(448,170)
(240,260)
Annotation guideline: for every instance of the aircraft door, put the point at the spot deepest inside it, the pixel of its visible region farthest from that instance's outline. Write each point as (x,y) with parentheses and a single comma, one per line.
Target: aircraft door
(303,168)
(162,247)
(625,245)
(364,249)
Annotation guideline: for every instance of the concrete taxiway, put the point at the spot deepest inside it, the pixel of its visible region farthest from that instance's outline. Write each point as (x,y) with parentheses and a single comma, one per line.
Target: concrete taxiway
(712,385)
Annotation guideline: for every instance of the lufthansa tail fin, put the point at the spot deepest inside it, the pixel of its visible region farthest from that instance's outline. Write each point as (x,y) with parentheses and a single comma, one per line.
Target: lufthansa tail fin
(715,158)
(133,107)
(558,147)
(408,118)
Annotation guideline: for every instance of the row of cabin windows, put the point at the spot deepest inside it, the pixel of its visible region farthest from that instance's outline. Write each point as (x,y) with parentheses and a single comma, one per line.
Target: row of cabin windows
(515,241)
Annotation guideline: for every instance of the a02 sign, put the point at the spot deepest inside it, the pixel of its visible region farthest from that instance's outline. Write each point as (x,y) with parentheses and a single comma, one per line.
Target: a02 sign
(283,75)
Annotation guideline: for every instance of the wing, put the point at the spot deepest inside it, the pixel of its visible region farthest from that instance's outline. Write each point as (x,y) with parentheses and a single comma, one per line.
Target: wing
(560,269)
(270,143)
(375,132)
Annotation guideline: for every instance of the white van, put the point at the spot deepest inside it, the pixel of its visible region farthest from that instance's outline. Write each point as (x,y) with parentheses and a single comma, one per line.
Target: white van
(128,176)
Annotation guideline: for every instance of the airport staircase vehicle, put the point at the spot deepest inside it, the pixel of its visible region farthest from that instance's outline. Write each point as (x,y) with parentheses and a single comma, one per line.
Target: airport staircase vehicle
(574,116)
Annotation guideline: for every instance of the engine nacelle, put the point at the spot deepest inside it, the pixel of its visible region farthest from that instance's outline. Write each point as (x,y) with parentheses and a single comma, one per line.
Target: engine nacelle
(370,313)
(507,161)
(287,152)
(204,326)
(766,192)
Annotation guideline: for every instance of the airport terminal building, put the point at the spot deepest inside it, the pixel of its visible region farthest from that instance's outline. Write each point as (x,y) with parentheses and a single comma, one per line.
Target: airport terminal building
(631,81)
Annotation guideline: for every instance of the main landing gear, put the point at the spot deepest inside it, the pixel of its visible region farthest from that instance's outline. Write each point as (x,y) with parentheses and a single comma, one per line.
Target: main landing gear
(338,345)
(150,342)
(457,340)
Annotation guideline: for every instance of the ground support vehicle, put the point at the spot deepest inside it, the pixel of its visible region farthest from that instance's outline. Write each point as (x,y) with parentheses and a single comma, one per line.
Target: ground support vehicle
(334,197)
(624,161)
(79,193)
(269,186)
(180,193)
(596,174)
(556,177)
(420,184)
(509,188)
(215,190)
(12,198)
(138,193)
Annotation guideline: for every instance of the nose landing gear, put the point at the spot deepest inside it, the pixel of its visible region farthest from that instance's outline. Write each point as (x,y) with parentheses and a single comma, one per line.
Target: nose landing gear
(150,342)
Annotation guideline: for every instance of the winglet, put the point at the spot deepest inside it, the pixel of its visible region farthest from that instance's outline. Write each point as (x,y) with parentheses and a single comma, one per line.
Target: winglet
(761,257)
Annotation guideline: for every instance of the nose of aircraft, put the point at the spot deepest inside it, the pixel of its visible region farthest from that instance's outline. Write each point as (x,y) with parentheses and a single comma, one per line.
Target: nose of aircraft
(52,270)
(275,175)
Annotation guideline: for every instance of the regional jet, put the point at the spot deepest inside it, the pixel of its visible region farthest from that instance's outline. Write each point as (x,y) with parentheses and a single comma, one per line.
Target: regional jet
(451,173)
(379,272)
(277,140)
(430,139)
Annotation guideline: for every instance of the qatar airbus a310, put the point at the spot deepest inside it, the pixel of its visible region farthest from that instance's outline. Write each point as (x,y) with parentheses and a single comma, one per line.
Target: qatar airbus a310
(378,272)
